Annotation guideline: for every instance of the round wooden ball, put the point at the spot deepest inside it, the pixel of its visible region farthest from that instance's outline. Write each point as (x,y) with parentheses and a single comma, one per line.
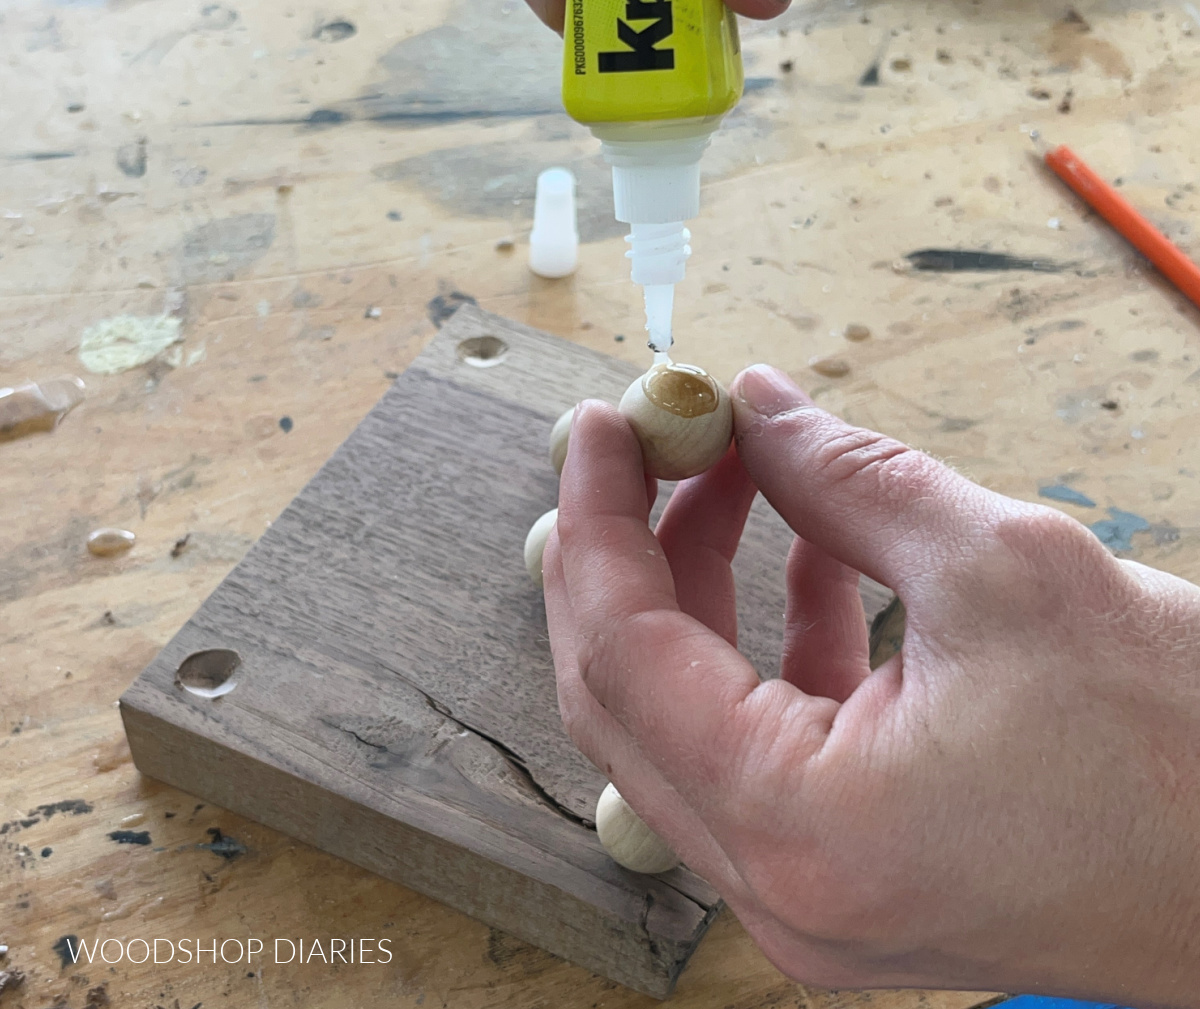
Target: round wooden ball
(627,839)
(535,544)
(682,418)
(559,435)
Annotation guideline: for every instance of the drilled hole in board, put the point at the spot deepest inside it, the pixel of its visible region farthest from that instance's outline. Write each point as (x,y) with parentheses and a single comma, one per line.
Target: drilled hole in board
(482,351)
(208,673)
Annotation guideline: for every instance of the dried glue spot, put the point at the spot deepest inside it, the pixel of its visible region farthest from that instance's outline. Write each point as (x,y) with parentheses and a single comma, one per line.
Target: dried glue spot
(208,673)
(830,367)
(126,341)
(27,408)
(482,351)
(110,542)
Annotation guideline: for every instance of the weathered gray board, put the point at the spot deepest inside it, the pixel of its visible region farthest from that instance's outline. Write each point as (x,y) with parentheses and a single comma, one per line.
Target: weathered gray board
(395,703)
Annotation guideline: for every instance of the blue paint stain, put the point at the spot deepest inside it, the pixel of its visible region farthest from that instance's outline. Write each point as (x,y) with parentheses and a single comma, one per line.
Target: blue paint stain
(1116,532)
(1061,492)
(1041,1002)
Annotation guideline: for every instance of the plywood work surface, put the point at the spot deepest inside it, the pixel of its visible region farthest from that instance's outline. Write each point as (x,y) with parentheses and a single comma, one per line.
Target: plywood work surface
(269,173)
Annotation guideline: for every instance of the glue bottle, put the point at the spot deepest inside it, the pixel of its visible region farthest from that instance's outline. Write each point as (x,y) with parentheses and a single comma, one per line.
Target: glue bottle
(652,79)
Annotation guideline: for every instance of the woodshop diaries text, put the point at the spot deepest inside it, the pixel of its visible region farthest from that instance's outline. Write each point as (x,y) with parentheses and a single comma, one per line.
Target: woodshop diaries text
(295,950)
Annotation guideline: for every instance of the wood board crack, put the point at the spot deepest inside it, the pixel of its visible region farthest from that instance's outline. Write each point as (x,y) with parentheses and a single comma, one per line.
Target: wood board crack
(514,761)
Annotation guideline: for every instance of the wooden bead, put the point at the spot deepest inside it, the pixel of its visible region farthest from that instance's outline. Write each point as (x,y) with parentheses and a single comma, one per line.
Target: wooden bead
(626,837)
(559,434)
(682,418)
(535,544)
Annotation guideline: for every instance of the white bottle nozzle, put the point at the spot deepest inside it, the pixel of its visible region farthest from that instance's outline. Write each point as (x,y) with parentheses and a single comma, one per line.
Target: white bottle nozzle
(658,253)
(554,241)
(660,301)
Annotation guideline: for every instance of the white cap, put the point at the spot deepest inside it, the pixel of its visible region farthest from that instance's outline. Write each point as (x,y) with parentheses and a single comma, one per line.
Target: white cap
(554,241)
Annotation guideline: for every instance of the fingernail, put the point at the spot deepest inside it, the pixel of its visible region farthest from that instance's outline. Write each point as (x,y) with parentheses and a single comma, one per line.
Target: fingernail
(768,391)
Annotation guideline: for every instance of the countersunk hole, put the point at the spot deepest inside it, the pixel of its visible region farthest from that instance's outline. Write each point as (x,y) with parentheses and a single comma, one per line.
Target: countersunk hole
(482,351)
(208,673)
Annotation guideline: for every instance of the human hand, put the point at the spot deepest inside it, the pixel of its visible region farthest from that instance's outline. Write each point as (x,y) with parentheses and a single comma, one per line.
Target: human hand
(552,11)
(1010,803)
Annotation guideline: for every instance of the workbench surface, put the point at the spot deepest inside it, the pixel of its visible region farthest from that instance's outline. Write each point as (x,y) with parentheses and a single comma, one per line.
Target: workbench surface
(270,174)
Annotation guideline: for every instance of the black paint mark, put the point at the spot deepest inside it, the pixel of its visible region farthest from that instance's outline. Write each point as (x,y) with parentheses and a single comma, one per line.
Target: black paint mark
(67,949)
(227,847)
(334,31)
(952,424)
(47,852)
(131,158)
(44,812)
(320,118)
(75,107)
(970,261)
(435,116)
(445,305)
(130,836)
(870,76)
(1058,326)
(325,117)
(395,215)
(41,156)
(315,119)
(286,424)
(1073,17)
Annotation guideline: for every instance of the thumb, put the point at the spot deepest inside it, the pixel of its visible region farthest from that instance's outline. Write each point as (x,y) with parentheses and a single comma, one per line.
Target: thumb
(870,501)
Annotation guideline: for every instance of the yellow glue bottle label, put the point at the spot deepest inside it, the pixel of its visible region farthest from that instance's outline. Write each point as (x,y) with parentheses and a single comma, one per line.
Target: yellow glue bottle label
(650,60)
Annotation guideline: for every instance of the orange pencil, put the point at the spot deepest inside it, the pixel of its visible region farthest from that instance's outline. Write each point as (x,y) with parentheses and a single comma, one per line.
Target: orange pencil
(1122,215)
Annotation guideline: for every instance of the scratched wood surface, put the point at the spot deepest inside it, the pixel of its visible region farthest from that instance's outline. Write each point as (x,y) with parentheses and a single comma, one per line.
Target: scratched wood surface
(304,163)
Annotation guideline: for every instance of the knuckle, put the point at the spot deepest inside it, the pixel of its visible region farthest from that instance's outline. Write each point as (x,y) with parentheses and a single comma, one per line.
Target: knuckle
(1047,537)
(1034,564)
(567,524)
(857,452)
(588,656)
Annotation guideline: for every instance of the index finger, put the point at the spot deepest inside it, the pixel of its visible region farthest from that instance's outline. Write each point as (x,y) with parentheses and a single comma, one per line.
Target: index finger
(694,705)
